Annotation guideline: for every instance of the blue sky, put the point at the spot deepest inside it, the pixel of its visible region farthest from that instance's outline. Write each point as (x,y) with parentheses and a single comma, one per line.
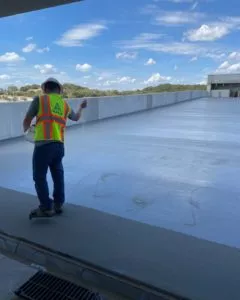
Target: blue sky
(125,44)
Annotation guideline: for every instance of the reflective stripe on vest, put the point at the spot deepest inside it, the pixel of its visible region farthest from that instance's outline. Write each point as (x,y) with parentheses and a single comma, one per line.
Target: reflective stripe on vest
(46,120)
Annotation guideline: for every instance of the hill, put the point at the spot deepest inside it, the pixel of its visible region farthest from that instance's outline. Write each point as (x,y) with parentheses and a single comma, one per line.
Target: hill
(76,91)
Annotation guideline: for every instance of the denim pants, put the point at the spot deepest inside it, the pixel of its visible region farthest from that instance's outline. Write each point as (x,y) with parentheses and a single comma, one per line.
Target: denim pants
(49,156)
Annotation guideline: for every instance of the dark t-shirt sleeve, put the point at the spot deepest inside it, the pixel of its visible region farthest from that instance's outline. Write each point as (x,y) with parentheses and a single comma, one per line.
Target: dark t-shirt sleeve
(33,108)
(72,115)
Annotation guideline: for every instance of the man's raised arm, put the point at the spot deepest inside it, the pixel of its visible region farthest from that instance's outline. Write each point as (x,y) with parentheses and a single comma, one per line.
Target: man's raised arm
(31,114)
(75,116)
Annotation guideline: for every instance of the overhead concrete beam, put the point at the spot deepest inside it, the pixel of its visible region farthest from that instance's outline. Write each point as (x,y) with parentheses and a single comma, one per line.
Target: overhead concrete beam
(13,7)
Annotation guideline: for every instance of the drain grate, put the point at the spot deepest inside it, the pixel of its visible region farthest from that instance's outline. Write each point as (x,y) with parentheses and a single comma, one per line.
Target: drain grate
(45,286)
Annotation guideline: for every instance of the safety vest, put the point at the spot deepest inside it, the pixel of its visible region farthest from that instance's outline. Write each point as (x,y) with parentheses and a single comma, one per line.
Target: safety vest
(51,118)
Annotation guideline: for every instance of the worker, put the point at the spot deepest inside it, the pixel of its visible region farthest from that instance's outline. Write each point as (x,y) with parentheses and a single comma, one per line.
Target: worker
(51,112)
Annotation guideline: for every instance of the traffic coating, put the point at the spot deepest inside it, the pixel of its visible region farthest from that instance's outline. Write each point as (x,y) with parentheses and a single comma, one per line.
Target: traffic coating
(176,167)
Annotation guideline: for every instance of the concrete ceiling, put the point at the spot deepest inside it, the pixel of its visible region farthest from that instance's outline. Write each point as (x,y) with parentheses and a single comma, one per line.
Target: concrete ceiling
(13,7)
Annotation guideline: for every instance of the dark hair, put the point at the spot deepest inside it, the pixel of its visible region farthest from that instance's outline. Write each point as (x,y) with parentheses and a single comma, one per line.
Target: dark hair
(52,87)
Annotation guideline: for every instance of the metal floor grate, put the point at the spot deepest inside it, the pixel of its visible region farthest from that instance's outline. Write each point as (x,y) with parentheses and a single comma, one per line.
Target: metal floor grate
(45,286)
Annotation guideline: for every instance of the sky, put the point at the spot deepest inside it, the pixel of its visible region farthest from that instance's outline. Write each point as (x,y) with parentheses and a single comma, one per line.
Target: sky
(125,45)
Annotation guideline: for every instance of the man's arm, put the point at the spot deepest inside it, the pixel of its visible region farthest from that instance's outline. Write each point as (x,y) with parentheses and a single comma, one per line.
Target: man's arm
(31,113)
(75,116)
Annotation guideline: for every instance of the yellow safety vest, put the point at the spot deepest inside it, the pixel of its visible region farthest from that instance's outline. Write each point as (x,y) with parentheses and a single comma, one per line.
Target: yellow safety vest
(51,118)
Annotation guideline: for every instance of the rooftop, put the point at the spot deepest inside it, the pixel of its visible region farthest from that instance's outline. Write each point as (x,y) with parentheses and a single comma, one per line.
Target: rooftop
(160,185)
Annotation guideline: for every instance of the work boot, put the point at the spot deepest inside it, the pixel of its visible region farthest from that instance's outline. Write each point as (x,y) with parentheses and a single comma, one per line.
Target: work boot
(58,208)
(39,212)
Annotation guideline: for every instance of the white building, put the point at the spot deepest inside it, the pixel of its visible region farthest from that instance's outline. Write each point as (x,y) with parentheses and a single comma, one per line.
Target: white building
(224,85)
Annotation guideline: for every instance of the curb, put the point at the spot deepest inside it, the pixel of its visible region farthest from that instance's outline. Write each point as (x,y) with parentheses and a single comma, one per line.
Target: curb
(88,276)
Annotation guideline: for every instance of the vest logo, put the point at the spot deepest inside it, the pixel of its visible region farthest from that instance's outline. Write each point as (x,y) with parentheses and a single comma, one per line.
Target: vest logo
(57,109)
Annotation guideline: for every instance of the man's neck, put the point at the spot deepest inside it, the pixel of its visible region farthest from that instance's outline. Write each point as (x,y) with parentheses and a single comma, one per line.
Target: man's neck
(53,93)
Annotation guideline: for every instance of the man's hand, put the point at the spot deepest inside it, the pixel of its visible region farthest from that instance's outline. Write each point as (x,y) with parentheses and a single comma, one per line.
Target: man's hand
(81,107)
(26,123)
(83,104)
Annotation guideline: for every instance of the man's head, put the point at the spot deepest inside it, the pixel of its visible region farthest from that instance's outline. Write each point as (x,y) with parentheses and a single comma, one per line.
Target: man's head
(51,85)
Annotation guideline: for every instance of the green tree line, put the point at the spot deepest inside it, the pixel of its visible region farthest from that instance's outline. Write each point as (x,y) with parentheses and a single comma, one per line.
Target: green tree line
(76,91)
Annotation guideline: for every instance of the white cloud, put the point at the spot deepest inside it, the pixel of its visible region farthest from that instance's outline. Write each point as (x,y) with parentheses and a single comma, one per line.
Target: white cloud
(151,43)
(141,39)
(150,62)
(156,79)
(29,48)
(104,75)
(232,21)
(194,58)
(224,65)
(181,1)
(83,68)
(78,34)
(207,32)
(215,56)
(171,17)
(4,77)
(87,77)
(109,82)
(177,17)
(148,36)
(234,68)
(126,55)
(126,79)
(175,68)
(33,47)
(10,57)
(46,69)
(172,47)
(120,80)
(42,50)
(194,6)
(29,38)
(227,67)
(213,31)
(234,56)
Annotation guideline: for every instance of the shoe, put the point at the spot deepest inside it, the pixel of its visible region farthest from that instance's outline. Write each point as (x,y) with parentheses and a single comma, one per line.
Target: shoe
(41,213)
(58,208)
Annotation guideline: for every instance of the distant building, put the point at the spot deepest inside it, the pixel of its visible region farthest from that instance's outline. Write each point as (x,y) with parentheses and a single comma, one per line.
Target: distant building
(224,85)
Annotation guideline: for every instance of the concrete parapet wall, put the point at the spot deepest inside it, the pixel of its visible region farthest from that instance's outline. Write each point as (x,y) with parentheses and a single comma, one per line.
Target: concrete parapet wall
(12,114)
(115,106)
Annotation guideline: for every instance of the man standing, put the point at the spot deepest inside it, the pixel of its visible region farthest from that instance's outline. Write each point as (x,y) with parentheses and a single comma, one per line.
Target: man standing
(51,112)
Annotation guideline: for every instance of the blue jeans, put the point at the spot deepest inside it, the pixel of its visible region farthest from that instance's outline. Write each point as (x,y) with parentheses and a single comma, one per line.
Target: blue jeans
(44,157)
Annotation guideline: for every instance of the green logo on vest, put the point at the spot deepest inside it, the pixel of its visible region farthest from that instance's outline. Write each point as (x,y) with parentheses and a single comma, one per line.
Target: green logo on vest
(57,109)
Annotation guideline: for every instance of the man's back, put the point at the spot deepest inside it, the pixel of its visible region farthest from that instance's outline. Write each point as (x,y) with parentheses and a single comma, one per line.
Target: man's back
(56,108)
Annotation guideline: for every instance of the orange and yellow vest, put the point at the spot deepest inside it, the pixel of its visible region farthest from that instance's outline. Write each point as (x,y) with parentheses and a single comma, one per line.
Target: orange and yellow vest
(51,118)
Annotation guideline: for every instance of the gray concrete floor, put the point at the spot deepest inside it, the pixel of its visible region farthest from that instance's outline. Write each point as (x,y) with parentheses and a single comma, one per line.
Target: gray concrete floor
(152,256)
(12,275)
(176,167)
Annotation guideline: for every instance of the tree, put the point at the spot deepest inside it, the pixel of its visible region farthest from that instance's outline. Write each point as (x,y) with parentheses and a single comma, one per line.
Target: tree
(12,89)
(30,87)
(76,91)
